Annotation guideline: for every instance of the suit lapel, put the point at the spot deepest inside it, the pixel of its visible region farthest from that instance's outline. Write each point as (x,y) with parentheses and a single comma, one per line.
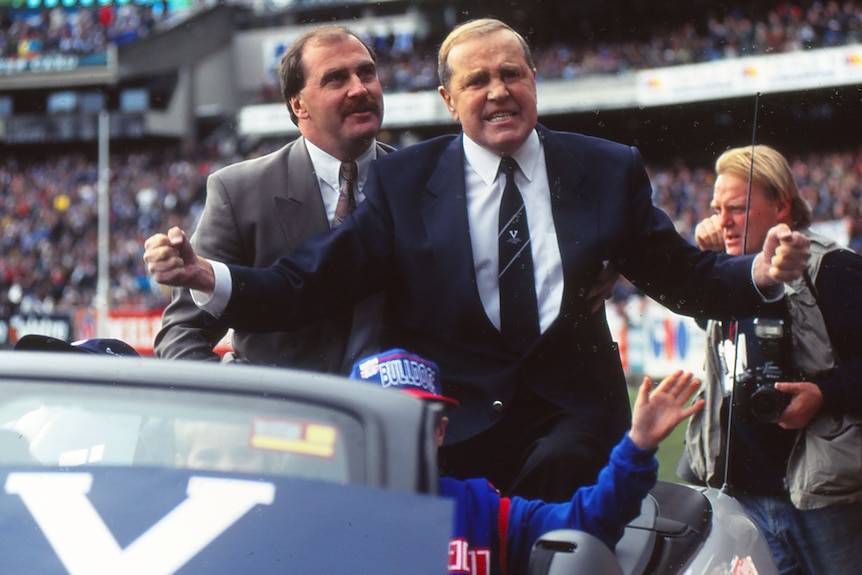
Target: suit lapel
(444,211)
(574,211)
(298,205)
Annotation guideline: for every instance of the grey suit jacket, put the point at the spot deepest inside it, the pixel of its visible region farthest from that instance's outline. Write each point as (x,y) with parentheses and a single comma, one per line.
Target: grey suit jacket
(257,211)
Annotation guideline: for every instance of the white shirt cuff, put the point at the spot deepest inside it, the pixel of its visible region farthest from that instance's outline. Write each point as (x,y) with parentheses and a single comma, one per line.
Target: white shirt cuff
(779,289)
(216,303)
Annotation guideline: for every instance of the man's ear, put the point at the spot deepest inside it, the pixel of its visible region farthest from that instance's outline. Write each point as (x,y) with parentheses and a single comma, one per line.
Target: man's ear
(447,99)
(784,215)
(297,108)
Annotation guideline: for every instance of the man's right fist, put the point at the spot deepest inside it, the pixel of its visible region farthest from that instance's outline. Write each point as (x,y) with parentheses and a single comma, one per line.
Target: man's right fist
(172,261)
(709,235)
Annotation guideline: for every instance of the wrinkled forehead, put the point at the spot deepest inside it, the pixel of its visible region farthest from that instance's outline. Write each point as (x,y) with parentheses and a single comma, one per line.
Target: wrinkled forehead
(485,42)
(334,50)
(732,189)
(485,35)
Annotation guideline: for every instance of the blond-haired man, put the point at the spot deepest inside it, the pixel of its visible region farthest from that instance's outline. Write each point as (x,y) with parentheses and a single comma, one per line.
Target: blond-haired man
(794,455)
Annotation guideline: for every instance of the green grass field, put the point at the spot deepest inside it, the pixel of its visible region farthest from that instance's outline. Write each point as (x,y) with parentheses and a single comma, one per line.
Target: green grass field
(669,451)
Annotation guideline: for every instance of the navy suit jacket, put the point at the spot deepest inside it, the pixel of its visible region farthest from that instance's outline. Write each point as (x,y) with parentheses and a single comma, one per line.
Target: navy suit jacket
(411,239)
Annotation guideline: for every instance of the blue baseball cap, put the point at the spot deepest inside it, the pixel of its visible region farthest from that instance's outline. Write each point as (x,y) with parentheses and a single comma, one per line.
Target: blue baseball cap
(95,346)
(404,371)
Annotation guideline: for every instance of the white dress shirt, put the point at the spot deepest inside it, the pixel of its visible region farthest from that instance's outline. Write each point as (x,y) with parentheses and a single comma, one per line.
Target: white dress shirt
(485,183)
(327,168)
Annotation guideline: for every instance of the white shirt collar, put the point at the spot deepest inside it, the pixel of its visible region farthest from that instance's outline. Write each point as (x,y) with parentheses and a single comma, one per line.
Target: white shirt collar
(328,167)
(487,163)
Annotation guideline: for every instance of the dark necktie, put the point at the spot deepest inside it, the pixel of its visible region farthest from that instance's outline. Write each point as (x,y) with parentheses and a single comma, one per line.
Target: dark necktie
(519,315)
(346,197)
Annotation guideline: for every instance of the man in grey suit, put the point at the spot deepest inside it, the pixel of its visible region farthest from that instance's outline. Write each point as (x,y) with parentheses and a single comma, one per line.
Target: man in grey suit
(260,210)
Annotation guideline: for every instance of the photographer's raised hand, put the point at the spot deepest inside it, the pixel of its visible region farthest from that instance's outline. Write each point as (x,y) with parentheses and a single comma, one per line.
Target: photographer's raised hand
(709,235)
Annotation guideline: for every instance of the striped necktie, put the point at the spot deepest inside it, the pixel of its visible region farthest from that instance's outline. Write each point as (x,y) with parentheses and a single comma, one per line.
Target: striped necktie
(347,196)
(519,315)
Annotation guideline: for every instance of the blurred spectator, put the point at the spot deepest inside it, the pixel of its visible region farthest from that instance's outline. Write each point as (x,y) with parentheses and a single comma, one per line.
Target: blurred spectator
(48,207)
(48,230)
(404,67)
(804,25)
(78,31)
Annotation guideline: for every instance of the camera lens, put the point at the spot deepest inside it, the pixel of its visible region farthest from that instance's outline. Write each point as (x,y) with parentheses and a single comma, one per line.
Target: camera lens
(767,403)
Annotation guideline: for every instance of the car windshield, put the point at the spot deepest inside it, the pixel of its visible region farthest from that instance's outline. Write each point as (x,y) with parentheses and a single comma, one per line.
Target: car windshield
(67,425)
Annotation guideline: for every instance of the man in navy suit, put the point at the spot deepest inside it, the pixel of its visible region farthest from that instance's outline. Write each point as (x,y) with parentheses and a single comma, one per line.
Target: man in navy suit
(537,419)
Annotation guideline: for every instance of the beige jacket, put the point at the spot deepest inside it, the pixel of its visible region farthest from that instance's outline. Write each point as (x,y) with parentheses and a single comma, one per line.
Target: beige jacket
(825,466)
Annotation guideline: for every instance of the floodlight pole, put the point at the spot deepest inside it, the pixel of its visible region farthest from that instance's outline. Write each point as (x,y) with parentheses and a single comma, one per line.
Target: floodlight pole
(103,281)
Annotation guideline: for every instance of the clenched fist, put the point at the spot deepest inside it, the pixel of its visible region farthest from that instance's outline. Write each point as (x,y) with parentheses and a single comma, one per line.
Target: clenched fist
(172,261)
(783,258)
(709,234)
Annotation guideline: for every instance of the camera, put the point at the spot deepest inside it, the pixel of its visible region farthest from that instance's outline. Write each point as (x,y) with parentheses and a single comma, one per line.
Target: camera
(755,390)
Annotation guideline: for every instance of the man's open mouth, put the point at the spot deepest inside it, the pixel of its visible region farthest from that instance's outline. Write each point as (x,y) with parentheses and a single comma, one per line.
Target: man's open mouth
(500,116)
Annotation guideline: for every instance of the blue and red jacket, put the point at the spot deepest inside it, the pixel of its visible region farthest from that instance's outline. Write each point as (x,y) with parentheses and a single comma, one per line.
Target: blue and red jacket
(493,535)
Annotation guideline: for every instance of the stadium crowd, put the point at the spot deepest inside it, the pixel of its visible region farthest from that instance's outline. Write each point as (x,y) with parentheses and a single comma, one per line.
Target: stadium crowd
(804,25)
(62,31)
(801,25)
(49,207)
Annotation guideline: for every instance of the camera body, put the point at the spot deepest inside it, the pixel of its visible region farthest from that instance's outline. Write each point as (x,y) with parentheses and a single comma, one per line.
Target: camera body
(755,390)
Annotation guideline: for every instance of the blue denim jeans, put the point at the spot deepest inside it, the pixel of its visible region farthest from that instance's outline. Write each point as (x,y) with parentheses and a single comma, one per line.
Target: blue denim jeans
(813,542)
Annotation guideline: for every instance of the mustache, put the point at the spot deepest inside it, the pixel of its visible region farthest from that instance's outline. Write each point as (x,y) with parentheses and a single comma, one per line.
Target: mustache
(364,104)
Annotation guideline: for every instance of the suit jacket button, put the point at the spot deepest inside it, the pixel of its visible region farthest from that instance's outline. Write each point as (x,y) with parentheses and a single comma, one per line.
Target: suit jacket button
(497,406)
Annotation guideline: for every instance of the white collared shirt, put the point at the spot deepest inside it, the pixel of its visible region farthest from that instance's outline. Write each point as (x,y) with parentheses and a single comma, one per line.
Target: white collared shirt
(485,183)
(327,168)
